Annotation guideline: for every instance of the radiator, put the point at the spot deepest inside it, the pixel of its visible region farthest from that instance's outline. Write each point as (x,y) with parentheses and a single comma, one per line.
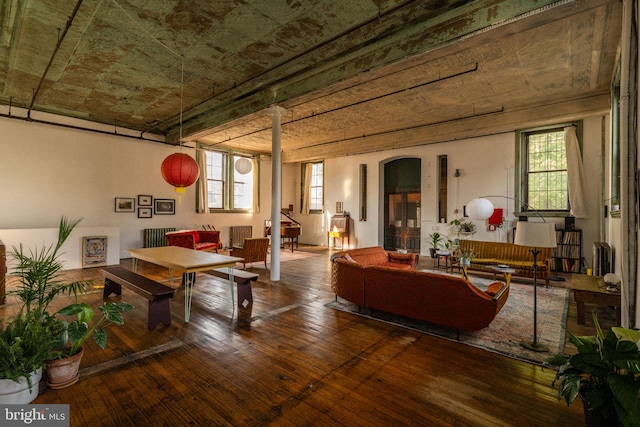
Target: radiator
(154,237)
(239,233)
(602,258)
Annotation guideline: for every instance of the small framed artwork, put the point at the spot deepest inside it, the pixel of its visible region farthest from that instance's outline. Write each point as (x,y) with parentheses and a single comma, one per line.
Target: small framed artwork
(164,206)
(144,200)
(338,207)
(94,251)
(145,212)
(125,204)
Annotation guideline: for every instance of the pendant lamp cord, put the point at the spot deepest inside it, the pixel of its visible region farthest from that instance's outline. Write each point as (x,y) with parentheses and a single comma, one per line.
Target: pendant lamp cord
(181,96)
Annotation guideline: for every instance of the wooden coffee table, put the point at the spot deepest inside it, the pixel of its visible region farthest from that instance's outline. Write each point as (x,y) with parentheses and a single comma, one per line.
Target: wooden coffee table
(591,289)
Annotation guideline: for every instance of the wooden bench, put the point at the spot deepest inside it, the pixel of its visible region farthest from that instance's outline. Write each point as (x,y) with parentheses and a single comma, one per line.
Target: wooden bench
(243,281)
(157,293)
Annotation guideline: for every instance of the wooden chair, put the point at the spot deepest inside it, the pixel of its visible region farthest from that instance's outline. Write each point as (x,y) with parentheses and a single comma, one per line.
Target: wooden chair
(254,250)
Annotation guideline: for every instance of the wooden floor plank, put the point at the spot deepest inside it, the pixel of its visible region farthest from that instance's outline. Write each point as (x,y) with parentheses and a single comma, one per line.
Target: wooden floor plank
(289,360)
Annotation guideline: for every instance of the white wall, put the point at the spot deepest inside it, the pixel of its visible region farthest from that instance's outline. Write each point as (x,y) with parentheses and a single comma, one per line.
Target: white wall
(486,166)
(49,171)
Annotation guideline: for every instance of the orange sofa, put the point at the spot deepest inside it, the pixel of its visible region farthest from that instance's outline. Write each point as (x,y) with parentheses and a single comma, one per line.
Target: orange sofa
(193,239)
(440,299)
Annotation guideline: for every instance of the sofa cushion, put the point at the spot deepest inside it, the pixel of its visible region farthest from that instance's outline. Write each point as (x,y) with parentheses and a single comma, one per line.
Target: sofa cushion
(396,265)
(206,246)
(348,258)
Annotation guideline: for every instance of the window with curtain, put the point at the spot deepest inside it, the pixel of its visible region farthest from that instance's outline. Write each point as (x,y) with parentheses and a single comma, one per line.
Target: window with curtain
(546,177)
(542,167)
(228,189)
(313,187)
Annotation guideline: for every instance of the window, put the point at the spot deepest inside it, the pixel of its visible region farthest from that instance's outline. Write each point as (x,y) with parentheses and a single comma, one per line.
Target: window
(227,188)
(313,185)
(543,164)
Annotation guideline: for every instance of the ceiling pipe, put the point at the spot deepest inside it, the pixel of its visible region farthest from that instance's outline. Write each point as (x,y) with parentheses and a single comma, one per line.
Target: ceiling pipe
(53,55)
(87,129)
(471,69)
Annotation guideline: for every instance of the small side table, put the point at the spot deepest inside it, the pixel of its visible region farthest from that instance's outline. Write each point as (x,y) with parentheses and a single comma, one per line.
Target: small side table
(507,271)
(447,261)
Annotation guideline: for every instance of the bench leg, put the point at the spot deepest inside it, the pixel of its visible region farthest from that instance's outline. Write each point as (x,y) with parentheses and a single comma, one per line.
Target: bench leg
(159,312)
(245,296)
(111,287)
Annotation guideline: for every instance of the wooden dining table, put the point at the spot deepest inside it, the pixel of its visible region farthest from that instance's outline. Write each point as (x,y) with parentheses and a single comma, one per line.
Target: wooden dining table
(188,262)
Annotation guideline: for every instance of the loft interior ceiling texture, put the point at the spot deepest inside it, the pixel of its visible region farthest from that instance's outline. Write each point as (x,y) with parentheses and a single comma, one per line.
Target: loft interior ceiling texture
(354,75)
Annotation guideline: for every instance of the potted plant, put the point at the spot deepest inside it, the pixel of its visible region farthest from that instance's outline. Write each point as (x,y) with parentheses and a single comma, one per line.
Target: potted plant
(27,340)
(62,368)
(436,239)
(465,256)
(467,227)
(25,344)
(605,372)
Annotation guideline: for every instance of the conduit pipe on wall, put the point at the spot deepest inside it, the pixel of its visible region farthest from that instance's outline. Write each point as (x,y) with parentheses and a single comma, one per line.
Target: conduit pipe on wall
(628,152)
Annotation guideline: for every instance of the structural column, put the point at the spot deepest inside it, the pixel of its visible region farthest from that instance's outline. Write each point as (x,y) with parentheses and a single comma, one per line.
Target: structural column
(276,188)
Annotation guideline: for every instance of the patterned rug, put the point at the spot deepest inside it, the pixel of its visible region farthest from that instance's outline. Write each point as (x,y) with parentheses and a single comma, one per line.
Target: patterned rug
(512,325)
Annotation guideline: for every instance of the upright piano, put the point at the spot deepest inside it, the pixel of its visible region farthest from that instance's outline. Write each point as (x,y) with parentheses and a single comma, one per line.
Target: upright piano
(289,231)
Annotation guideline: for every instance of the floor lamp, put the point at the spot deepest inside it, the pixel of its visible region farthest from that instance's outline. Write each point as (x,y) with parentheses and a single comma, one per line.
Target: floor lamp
(532,234)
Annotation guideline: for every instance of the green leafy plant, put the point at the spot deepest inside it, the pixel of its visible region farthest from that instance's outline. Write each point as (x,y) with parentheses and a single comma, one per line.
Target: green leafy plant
(30,337)
(39,274)
(467,227)
(25,343)
(84,327)
(605,372)
(436,239)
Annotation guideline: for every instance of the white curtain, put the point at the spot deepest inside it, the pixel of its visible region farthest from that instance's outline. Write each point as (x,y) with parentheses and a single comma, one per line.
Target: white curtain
(575,173)
(202,190)
(256,181)
(306,197)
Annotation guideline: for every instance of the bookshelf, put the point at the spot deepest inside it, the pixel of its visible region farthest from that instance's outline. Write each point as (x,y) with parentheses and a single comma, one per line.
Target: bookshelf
(567,256)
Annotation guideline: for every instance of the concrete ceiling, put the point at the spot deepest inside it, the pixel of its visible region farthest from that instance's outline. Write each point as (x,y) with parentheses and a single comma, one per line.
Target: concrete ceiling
(354,75)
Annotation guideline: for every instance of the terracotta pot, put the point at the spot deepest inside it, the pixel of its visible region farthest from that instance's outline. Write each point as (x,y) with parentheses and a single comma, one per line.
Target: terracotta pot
(64,372)
(17,392)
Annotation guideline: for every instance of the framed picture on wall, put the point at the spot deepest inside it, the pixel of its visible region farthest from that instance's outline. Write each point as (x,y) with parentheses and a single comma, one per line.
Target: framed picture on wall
(144,200)
(125,204)
(145,212)
(164,206)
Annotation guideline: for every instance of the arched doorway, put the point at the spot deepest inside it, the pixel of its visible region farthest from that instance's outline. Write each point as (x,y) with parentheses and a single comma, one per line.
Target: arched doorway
(402,194)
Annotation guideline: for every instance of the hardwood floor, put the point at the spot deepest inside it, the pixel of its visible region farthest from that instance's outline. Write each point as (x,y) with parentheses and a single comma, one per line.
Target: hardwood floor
(292,361)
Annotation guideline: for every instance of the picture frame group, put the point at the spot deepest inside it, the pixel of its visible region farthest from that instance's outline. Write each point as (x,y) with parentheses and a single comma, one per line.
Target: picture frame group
(147,205)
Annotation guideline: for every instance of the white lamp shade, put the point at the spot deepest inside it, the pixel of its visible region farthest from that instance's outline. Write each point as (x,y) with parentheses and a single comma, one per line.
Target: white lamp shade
(243,166)
(480,208)
(535,234)
(611,278)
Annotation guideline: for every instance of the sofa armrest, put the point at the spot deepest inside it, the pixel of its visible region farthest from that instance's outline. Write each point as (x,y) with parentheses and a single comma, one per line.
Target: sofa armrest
(498,295)
(209,236)
(398,258)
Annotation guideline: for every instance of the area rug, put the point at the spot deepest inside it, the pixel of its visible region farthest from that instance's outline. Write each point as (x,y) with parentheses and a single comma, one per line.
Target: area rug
(512,325)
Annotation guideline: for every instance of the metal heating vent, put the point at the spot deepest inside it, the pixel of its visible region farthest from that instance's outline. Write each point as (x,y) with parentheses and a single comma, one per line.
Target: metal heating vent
(602,258)
(239,233)
(154,237)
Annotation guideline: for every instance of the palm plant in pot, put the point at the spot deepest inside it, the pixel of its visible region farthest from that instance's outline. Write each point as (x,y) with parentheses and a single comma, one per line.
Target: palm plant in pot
(605,373)
(27,340)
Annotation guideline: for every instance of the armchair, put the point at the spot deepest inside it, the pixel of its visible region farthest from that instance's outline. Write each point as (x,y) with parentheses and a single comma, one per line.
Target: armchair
(192,239)
(254,250)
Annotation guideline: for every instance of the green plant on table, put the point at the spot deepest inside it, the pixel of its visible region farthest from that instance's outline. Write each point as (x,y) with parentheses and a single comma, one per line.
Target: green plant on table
(605,372)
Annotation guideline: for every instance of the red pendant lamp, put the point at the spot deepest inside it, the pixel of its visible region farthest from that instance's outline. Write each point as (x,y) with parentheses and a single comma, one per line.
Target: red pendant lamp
(180,170)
